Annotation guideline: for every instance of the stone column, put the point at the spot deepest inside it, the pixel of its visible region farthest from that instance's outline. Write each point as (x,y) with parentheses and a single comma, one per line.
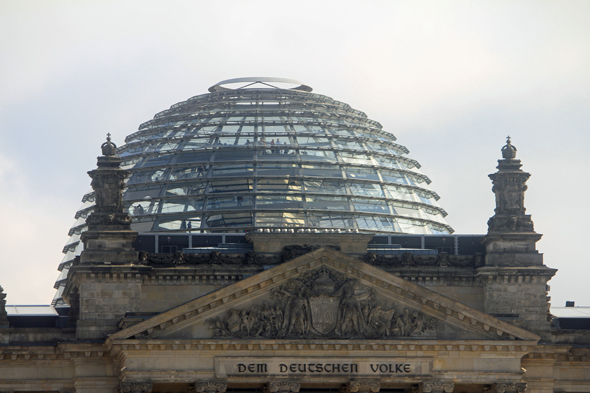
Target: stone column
(435,387)
(209,387)
(508,387)
(281,387)
(135,387)
(361,387)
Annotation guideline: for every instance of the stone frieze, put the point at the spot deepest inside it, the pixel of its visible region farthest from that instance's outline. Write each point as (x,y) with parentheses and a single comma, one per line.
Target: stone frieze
(323,304)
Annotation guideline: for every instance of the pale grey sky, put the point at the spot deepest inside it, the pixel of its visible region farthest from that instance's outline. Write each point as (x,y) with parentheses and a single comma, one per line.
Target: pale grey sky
(450,79)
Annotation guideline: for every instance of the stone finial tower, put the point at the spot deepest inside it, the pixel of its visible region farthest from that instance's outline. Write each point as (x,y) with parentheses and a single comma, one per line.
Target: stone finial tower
(109,238)
(105,283)
(511,238)
(515,279)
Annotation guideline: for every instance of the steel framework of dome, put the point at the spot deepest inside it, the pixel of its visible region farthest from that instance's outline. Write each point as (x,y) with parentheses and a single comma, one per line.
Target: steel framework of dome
(253,154)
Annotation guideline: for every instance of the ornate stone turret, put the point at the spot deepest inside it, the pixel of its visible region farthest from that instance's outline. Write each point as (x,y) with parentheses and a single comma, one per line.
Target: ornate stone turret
(104,284)
(109,238)
(515,279)
(511,235)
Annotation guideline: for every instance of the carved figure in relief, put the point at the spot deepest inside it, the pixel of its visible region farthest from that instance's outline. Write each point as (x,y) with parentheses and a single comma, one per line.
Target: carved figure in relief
(245,326)
(350,318)
(379,321)
(297,317)
(417,323)
(322,304)
(397,326)
(266,326)
(279,314)
(406,322)
(234,322)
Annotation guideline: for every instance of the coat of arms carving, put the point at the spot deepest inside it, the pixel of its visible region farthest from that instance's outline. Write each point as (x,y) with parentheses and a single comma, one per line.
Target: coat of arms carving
(323,304)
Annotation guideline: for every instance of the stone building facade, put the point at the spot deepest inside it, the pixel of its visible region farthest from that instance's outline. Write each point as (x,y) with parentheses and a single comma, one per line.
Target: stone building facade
(301,312)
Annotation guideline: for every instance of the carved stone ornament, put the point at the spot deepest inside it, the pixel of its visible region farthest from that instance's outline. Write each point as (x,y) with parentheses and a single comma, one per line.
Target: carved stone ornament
(3,313)
(509,150)
(407,259)
(134,387)
(435,387)
(210,387)
(511,223)
(213,258)
(323,304)
(74,313)
(281,387)
(361,387)
(107,188)
(294,251)
(108,148)
(509,387)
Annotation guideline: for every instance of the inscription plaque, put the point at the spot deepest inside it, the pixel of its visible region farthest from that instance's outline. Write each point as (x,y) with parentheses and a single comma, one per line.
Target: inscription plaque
(289,366)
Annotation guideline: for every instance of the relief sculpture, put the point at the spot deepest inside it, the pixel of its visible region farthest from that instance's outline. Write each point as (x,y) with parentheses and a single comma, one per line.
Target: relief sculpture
(323,304)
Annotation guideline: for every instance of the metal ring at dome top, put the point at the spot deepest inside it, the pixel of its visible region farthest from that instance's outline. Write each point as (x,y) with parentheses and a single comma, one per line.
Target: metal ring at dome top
(264,80)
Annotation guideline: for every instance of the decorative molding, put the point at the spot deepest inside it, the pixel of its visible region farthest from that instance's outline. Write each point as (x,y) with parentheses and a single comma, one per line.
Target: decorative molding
(419,345)
(409,260)
(209,387)
(361,387)
(435,387)
(509,387)
(281,387)
(206,279)
(135,387)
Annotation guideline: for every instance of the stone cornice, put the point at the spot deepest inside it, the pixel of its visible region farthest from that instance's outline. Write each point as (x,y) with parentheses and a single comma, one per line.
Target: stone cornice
(414,348)
(516,271)
(61,351)
(528,350)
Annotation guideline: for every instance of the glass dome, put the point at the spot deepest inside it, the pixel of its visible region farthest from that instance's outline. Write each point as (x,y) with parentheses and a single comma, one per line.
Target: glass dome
(245,158)
(267,153)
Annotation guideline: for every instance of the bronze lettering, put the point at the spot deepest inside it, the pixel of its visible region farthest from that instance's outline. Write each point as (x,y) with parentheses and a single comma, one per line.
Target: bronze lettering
(293,368)
(398,368)
(383,368)
(282,368)
(335,368)
(407,368)
(320,368)
(310,369)
(354,368)
(374,367)
(302,367)
(252,368)
(241,368)
(262,368)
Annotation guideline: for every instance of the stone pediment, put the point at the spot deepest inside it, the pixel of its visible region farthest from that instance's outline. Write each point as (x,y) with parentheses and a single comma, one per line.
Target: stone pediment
(324,295)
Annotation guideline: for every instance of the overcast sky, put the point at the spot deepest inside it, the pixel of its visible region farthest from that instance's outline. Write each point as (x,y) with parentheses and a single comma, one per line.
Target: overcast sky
(449,79)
